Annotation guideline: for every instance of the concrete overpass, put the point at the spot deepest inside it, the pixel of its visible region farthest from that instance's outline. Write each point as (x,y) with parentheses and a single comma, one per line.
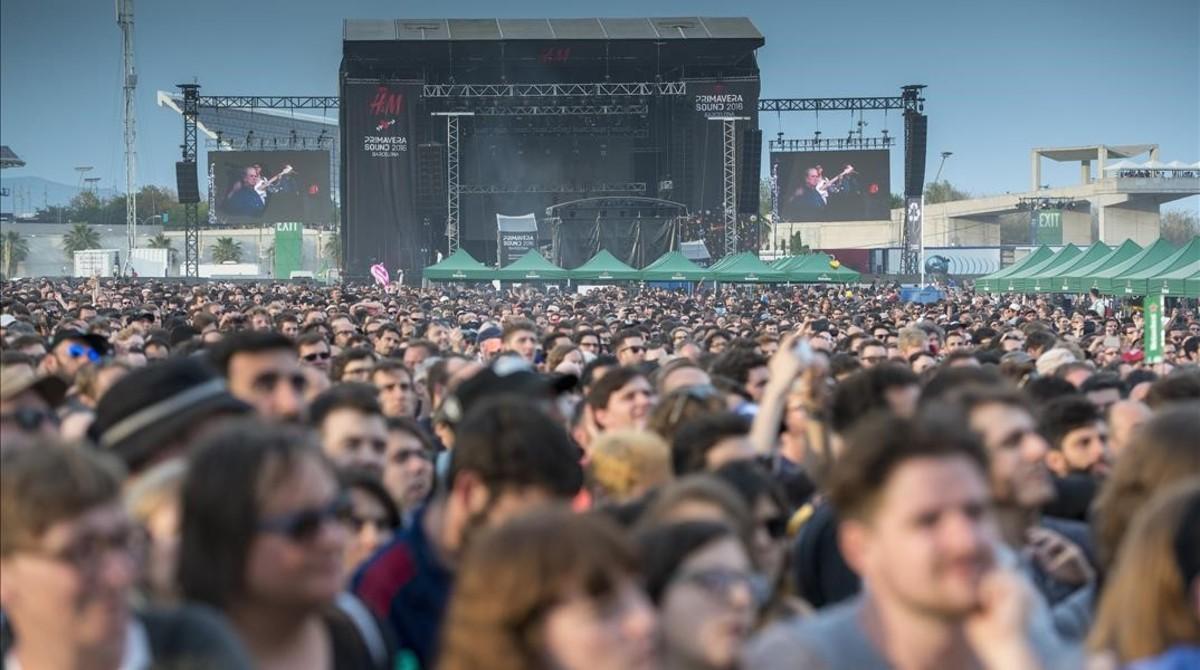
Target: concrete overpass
(1107,206)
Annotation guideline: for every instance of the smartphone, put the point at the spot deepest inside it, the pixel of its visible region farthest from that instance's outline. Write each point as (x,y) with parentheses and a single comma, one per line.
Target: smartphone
(803,351)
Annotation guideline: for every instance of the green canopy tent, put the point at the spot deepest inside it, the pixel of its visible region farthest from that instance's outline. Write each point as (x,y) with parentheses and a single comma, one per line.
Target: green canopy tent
(673,266)
(1139,283)
(459,266)
(997,281)
(1028,279)
(1105,278)
(604,267)
(1183,282)
(531,267)
(815,269)
(1079,279)
(1051,281)
(746,268)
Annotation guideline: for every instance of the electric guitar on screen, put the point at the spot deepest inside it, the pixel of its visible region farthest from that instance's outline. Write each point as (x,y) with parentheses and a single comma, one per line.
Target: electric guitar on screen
(264,185)
(825,185)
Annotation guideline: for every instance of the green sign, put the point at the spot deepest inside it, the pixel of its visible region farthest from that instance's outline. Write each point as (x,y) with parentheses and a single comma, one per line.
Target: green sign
(1049,227)
(1153,344)
(289,249)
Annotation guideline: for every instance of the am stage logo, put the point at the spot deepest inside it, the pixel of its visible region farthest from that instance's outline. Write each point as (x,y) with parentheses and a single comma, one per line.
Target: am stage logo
(385,106)
(720,100)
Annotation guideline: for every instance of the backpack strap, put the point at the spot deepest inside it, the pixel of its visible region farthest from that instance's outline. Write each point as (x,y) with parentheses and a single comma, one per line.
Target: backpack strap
(367,626)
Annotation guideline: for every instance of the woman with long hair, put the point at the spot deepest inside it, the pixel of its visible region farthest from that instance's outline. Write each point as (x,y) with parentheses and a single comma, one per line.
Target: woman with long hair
(1149,615)
(551,590)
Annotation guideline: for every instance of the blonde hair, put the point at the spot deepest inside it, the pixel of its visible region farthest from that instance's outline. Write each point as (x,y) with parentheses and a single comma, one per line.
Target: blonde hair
(1145,608)
(626,463)
(159,486)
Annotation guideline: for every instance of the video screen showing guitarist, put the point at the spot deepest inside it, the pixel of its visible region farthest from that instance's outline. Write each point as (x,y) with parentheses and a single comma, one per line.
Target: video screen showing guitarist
(811,188)
(270,186)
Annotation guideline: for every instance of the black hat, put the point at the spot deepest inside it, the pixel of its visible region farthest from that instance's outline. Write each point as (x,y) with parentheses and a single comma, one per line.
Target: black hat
(98,343)
(148,409)
(508,375)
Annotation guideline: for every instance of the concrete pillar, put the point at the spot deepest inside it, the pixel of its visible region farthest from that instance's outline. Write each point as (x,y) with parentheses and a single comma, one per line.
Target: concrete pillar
(1085,172)
(1153,152)
(1035,158)
(1102,158)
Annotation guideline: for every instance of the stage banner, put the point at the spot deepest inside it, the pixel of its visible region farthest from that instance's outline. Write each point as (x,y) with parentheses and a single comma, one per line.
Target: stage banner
(1153,344)
(379,223)
(516,235)
(1048,227)
(705,99)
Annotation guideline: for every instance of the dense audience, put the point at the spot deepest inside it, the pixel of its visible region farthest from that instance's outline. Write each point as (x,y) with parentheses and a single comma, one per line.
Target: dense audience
(274,475)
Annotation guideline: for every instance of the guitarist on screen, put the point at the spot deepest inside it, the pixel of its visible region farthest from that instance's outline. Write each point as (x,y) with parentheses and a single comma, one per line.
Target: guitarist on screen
(248,196)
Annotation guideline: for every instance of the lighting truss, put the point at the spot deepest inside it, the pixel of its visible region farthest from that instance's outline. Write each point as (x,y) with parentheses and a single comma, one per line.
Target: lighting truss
(829,104)
(268,102)
(562,110)
(580,131)
(833,144)
(554,90)
(619,187)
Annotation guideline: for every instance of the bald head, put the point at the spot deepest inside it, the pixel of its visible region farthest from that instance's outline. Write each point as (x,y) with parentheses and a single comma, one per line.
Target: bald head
(1124,416)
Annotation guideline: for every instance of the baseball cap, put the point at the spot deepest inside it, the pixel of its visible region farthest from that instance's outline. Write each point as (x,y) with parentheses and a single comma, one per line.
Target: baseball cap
(97,342)
(508,375)
(489,333)
(6,320)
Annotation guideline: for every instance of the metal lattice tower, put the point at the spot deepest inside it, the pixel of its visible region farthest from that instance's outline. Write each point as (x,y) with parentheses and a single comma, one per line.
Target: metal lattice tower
(125,21)
(452,186)
(729,192)
(191,216)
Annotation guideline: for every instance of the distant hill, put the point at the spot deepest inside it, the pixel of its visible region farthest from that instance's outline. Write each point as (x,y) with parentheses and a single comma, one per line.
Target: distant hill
(27,194)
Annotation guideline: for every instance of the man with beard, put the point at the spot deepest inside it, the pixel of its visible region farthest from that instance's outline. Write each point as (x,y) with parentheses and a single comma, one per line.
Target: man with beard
(1058,550)
(917,489)
(1078,455)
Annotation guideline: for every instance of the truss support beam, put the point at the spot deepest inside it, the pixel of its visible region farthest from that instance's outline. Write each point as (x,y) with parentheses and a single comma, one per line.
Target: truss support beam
(622,187)
(599,89)
(842,143)
(191,214)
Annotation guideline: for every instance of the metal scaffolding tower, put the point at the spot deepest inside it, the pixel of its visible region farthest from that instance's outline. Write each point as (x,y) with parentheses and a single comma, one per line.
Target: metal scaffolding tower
(729,192)
(191,215)
(125,21)
(452,189)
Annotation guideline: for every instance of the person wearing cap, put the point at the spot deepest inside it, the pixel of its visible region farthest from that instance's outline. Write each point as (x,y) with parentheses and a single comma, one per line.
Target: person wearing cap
(27,404)
(70,351)
(156,413)
(490,343)
(510,457)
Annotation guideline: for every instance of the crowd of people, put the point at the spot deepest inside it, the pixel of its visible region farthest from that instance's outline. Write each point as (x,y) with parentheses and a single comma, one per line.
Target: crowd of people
(279,475)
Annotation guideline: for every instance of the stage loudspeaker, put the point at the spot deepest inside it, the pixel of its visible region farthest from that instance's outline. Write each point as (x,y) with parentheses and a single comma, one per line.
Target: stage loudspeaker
(751,167)
(185,182)
(915,131)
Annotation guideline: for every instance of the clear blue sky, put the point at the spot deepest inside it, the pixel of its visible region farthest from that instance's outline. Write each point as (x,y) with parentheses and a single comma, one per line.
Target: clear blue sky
(1003,76)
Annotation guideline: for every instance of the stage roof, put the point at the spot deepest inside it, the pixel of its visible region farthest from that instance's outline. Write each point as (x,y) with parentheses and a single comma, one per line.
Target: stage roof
(658,28)
(9,159)
(1090,152)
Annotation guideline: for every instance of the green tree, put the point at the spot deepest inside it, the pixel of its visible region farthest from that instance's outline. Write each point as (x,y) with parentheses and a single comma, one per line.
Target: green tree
(226,250)
(764,198)
(943,191)
(333,250)
(796,245)
(86,206)
(895,201)
(161,241)
(81,237)
(13,250)
(1179,227)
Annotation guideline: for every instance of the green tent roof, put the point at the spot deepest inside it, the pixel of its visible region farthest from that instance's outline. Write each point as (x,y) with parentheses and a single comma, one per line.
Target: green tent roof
(745,268)
(1029,277)
(789,263)
(1168,277)
(1052,281)
(1104,278)
(997,281)
(531,267)
(1182,282)
(814,269)
(459,266)
(672,266)
(1192,286)
(1079,279)
(604,267)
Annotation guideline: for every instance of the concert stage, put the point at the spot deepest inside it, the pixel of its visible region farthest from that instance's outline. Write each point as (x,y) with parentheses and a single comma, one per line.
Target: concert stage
(602,128)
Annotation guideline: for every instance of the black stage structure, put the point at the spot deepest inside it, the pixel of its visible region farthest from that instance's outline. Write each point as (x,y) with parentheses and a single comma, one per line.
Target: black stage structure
(447,123)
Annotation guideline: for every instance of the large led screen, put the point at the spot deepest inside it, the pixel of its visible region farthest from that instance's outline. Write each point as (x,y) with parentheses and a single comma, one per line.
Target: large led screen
(832,185)
(253,187)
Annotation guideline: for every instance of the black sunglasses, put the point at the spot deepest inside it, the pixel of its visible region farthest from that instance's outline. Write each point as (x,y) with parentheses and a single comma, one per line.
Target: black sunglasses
(318,356)
(304,525)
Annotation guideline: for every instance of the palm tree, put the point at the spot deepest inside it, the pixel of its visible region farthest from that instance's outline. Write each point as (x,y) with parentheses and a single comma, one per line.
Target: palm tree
(333,250)
(81,237)
(226,250)
(13,250)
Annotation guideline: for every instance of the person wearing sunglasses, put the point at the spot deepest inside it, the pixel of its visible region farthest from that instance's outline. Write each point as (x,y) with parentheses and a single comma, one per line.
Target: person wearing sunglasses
(70,557)
(630,348)
(314,351)
(71,351)
(27,404)
(701,577)
(265,530)
(373,517)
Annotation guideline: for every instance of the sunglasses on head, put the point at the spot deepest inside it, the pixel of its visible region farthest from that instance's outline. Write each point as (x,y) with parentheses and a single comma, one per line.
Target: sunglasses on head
(304,525)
